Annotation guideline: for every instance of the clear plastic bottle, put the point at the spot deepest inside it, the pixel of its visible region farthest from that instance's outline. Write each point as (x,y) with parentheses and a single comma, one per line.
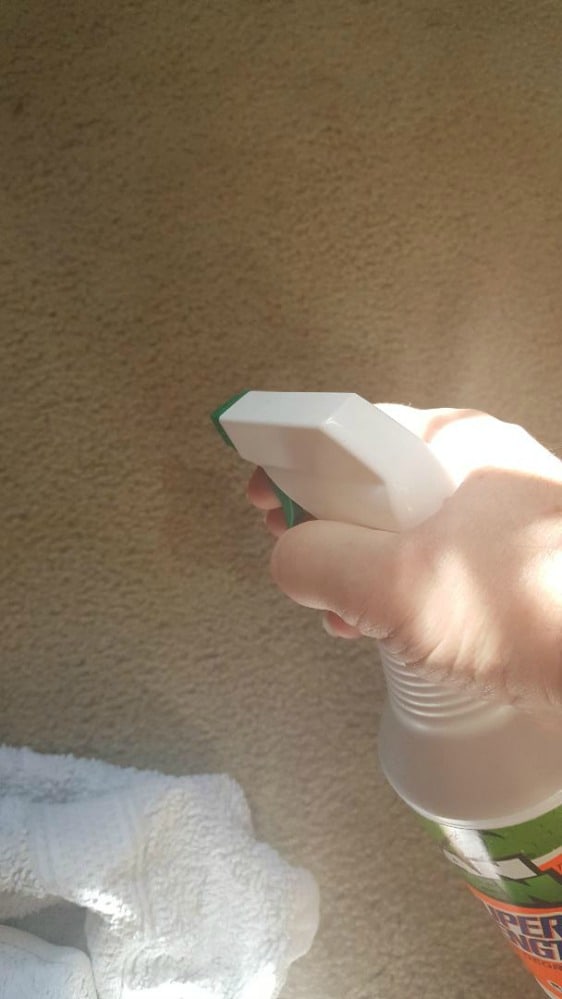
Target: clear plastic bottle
(485,778)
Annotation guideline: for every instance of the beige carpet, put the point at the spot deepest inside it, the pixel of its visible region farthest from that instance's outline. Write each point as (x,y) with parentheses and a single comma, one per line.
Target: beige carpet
(203,196)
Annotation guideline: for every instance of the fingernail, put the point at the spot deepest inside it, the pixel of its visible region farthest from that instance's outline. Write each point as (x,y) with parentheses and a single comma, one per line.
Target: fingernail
(328,627)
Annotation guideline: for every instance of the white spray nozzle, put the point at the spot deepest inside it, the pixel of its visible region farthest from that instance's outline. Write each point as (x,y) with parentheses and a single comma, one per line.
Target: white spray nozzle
(338,456)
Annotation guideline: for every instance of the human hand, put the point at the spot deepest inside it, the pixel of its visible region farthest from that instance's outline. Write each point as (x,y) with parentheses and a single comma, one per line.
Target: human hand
(472,596)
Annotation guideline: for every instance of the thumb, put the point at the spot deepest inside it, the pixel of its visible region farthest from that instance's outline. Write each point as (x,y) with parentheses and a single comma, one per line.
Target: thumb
(355,572)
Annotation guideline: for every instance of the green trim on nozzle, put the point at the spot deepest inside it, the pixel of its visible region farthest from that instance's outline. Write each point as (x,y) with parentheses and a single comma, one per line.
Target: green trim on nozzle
(292,511)
(220,410)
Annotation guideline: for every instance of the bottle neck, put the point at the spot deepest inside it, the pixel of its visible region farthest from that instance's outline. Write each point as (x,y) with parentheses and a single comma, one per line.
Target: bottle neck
(420,702)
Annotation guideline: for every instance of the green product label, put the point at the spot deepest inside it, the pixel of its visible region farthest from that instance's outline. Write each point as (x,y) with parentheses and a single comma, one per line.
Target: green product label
(516,871)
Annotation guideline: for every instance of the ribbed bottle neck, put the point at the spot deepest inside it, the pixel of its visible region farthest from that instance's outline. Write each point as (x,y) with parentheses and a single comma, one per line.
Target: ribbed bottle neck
(419,701)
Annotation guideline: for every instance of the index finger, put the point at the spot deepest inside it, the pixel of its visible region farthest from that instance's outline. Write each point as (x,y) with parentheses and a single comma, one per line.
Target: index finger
(260,491)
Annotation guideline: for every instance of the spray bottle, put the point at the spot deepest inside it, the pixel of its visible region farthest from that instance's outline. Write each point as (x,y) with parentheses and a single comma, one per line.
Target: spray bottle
(485,778)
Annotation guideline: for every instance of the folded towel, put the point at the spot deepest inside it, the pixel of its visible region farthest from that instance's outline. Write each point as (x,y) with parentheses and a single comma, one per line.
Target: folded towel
(181,900)
(31,968)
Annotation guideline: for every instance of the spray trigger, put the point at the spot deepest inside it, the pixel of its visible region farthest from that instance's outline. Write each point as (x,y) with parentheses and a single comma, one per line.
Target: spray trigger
(294,513)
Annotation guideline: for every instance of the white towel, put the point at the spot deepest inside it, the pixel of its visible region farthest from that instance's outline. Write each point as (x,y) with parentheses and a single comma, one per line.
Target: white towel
(31,968)
(181,900)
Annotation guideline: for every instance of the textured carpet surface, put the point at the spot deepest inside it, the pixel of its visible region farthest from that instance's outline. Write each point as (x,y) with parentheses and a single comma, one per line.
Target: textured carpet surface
(198,197)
